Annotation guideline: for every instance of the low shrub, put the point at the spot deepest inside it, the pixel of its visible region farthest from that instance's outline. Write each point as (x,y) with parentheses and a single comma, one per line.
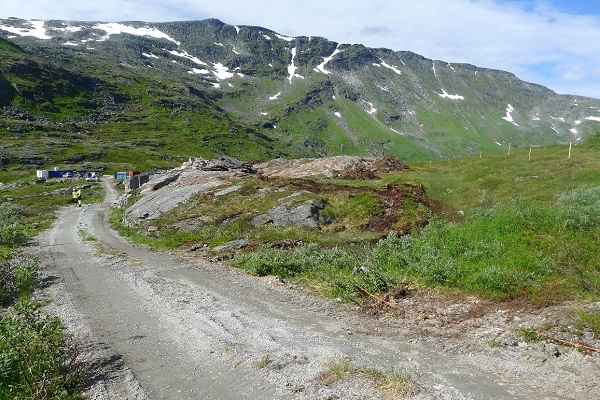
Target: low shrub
(306,259)
(17,277)
(32,349)
(589,320)
(579,208)
(10,213)
(505,251)
(13,236)
(12,232)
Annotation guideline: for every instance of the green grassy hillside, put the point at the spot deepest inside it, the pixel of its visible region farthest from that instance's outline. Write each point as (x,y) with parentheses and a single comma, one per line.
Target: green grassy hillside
(539,174)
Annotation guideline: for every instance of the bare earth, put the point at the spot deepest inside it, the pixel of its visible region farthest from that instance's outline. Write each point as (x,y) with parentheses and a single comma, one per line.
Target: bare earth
(170,326)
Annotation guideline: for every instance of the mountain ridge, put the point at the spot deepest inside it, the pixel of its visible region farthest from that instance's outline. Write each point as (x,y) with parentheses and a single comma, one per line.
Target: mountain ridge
(220,89)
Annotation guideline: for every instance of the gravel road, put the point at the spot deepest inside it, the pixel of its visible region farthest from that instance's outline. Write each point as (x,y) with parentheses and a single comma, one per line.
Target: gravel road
(169,326)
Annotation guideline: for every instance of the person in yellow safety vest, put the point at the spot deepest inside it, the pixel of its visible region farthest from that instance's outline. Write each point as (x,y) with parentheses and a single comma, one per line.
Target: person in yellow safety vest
(77,196)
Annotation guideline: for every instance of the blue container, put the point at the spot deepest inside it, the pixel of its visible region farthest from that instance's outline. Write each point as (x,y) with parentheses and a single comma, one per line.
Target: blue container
(121,175)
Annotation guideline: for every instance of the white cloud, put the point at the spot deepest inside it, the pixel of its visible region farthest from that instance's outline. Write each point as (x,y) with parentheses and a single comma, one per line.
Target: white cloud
(498,34)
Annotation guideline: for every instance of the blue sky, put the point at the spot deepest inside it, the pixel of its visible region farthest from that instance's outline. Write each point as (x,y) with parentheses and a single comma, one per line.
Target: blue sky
(555,43)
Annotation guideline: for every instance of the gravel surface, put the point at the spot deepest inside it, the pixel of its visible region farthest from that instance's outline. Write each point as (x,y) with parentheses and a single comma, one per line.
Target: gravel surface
(164,325)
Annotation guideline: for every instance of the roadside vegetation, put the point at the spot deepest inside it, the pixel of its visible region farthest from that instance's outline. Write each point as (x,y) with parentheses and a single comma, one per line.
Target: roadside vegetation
(515,226)
(392,384)
(37,358)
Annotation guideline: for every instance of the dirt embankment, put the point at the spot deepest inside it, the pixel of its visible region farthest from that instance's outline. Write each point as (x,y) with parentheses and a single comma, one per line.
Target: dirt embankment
(164,325)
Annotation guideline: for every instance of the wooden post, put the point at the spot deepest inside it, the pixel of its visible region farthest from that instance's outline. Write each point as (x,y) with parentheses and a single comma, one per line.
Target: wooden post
(509,149)
(570,143)
(529,153)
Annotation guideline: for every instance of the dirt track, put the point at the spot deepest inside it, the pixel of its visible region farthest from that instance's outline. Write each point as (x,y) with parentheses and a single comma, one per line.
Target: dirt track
(167,326)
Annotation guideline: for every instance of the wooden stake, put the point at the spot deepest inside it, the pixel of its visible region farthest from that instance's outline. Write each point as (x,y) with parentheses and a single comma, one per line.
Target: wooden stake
(529,153)
(570,143)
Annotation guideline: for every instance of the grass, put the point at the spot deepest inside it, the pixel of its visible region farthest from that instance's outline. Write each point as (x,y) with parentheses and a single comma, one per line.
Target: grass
(391,384)
(473,181)
(515,249)
(37,359)
(264,362)
(34,361)
(588,320)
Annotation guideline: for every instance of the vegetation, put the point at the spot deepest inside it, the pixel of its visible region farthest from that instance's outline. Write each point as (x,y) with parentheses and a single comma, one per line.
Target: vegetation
(513,249)
(37,358)
(392,384)
(532,234)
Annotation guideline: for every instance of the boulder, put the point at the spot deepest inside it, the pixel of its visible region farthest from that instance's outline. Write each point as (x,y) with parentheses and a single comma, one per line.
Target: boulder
(261,220)
(158,181)
(231,246)
(306,214)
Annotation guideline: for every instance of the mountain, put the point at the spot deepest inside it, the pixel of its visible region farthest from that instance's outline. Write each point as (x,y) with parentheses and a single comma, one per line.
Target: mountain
(141,95)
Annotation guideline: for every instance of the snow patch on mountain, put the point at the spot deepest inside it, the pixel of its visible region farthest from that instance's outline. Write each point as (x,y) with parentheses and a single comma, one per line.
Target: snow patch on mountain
(292,67)
(321,67)
(508,116)
(69,28)
(186,55)
(222,72)
(388,66)
(450,96)
(34,28)
(199,71)
(114,28)
(286,38)
(38,29)
(371,110)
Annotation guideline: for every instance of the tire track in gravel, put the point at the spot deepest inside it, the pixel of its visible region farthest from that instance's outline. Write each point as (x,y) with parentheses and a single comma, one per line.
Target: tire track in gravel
(189,329)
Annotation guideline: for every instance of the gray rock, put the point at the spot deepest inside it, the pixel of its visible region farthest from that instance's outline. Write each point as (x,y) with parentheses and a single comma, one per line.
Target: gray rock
(158,202)
(232,246)
(261,220)
(160,180)
(306,214)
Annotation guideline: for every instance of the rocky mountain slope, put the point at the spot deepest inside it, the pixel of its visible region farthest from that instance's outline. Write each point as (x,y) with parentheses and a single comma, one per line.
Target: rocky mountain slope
(140,95)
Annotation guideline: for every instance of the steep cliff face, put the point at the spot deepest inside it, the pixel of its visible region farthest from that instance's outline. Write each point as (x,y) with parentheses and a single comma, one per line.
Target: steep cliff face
(211,88)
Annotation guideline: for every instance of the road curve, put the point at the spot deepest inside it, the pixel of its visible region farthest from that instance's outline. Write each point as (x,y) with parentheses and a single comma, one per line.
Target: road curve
(184,328)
